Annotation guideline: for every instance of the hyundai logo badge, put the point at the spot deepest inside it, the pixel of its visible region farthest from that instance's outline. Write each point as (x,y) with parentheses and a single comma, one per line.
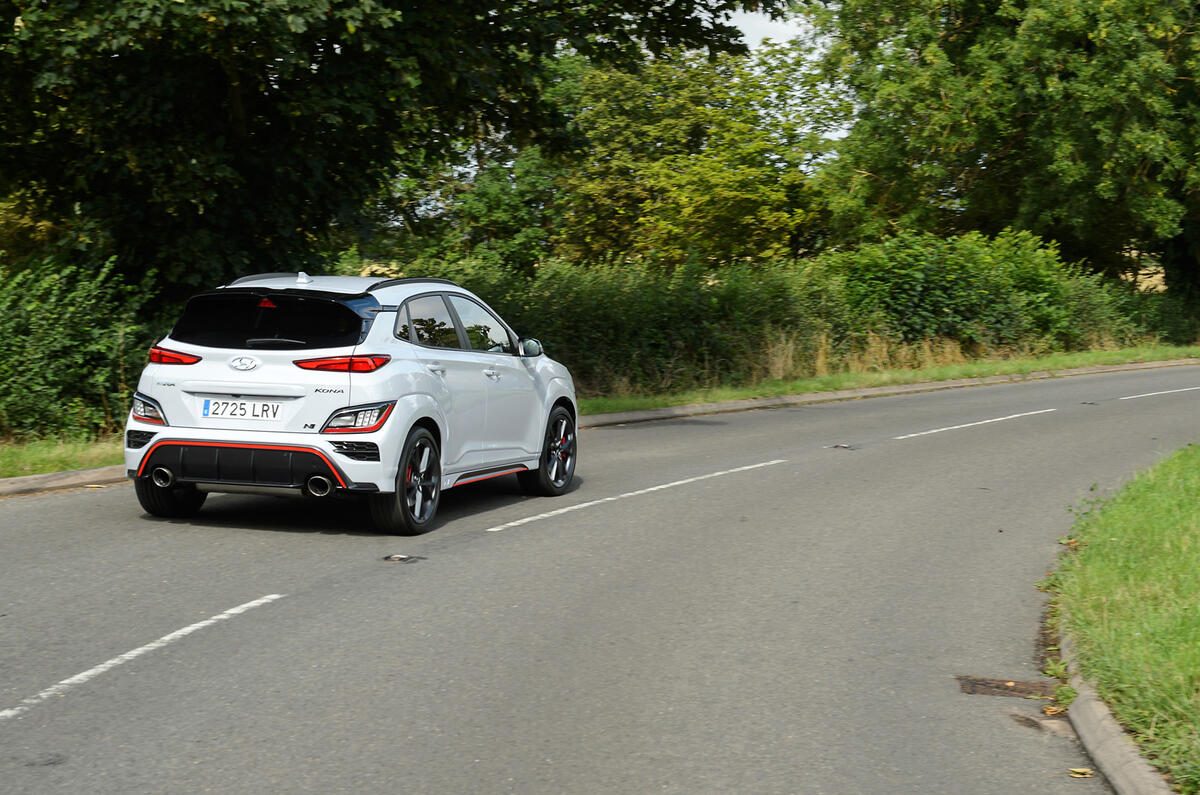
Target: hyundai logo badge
(243,363)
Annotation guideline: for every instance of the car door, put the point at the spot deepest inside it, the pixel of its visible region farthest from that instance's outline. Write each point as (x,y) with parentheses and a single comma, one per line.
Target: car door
(460,384)
(514,413)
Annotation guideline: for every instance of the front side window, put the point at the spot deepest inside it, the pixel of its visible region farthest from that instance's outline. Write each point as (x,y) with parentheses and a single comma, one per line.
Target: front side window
(484,330)
(431,322)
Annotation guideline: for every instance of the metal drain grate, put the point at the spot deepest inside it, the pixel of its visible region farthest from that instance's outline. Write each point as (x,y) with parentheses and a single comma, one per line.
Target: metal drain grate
(982,686)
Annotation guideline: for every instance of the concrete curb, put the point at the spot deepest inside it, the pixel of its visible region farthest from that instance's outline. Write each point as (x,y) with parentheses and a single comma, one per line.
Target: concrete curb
(749,404)
(1110,748)
(28,484)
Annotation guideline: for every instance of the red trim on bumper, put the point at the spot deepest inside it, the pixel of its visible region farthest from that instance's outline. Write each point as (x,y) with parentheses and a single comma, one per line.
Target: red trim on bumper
(294,448)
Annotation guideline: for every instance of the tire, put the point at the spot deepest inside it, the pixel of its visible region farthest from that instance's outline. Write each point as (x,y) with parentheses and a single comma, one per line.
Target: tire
(409,510)
(560,451)
(173,502)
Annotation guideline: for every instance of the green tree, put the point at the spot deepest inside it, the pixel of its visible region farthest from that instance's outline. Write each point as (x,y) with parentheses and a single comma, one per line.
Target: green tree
(700,157)
(688,158)
(211,136)
(1073,119)
(495,202)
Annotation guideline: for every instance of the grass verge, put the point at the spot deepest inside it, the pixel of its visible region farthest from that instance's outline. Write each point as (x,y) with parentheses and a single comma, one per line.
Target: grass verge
(55,455)
(1129,595)
(835,382)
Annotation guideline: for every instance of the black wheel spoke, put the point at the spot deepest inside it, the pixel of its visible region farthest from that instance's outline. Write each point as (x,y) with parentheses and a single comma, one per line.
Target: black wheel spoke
(560,452)
(419,492)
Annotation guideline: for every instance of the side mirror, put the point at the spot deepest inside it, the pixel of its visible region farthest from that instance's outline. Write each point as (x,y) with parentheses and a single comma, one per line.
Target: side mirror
(530,347)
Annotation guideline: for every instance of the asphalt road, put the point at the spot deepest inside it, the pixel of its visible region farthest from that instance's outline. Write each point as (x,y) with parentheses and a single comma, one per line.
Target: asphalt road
(787,613)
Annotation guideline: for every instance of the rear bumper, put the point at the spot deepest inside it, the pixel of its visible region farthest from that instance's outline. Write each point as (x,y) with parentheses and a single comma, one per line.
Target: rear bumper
(244,464)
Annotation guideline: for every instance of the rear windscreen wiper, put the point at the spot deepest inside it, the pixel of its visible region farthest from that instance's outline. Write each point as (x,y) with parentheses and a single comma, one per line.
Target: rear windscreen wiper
(258,341)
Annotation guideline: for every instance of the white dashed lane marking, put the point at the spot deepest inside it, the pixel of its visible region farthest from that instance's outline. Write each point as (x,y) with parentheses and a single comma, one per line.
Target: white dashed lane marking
(92,673)
(972,424)
(626,495)
(1167,392)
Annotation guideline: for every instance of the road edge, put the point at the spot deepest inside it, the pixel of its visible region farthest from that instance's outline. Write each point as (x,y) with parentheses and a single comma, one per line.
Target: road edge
(56,481)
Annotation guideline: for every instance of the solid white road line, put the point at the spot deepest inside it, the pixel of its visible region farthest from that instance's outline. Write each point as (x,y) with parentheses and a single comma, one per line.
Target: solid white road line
(639,492)
(92,673)
(973,424)
(1168,392)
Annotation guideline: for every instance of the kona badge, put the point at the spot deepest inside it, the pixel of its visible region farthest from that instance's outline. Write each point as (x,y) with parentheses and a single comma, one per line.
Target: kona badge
(243,363)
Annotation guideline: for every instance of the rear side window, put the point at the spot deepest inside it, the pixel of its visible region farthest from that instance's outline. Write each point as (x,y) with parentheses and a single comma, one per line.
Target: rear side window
(431,322)
(246,320)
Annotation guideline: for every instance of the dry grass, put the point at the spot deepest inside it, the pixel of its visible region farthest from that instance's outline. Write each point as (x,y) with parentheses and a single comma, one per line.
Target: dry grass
(785,357)
(879,353)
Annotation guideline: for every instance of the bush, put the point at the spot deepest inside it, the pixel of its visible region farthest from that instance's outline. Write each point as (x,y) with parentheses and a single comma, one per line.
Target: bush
(72,342)
(630,327)
(917,299)
(1172,319)
(1012,291)
(70,350)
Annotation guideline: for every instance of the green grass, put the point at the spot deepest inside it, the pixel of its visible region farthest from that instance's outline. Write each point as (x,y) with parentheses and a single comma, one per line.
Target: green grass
(33,458)
(833,383)
(1130,598)
(53,455)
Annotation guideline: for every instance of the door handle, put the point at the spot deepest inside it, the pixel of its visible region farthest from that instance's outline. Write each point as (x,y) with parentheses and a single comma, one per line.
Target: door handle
(436,368)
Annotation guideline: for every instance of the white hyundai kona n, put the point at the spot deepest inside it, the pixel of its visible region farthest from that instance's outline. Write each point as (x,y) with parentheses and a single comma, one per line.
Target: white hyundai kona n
(392,389)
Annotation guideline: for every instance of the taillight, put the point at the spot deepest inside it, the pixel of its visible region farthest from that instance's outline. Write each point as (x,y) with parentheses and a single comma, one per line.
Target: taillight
(345,364)
(359,419)
(164,356)
(146,410)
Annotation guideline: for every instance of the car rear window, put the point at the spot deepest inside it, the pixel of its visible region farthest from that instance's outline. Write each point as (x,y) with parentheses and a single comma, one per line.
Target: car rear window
(257,320)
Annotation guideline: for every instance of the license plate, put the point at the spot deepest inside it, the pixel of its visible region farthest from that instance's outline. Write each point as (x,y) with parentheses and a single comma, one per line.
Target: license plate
(241,409)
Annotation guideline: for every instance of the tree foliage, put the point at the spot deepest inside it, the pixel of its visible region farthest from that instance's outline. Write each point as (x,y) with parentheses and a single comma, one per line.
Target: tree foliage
(494,201)
(691,157)
(700,157)
(1074,119)
(70,350)
(210,136)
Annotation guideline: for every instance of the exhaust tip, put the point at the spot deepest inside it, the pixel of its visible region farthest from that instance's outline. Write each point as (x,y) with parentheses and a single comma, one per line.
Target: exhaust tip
(162,477)
(319,486)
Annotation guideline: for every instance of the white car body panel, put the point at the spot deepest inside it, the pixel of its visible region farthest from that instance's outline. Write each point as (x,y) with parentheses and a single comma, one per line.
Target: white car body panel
(461,388)
(484,423)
